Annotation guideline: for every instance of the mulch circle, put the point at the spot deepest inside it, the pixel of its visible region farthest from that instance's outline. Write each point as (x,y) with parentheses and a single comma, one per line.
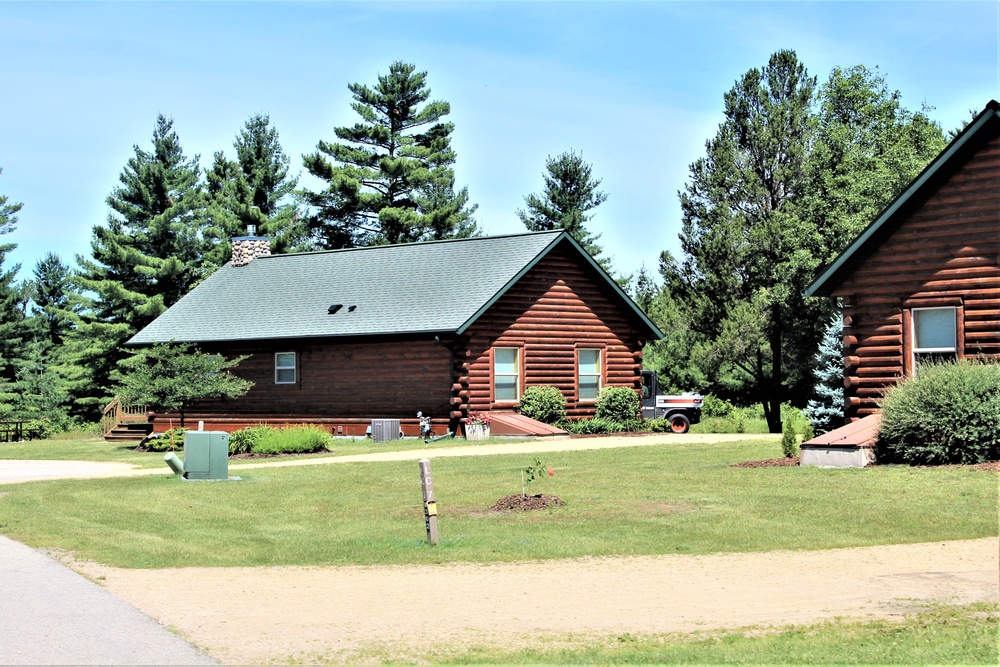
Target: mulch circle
(519,503)
(768,463)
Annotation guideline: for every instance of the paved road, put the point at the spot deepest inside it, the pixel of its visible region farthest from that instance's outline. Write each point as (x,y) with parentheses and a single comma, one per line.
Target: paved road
(50,615)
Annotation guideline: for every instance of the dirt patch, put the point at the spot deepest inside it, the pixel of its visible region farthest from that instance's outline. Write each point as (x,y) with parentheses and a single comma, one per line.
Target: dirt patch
(519,503)
(768,463)
(989,465)
(412,613)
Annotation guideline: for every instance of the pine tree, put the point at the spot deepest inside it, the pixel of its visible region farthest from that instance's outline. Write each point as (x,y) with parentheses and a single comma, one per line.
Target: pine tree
(255,189)
(41,385)
(152,250)
(570,193)
(388,179)
(11,312)
(826,411)
(748,253)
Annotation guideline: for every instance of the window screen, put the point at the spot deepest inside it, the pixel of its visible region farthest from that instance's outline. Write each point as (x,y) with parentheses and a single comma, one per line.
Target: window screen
(934,330)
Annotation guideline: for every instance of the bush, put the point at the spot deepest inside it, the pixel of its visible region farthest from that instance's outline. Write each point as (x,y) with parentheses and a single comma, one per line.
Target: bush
(599,425)
(789,439)
(618,404)
(244,440)
(544,403)
(948,413)
(167,441)
(293,440)
(716,407)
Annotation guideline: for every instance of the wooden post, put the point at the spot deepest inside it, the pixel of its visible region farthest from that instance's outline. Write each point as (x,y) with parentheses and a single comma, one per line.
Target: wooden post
(430,505)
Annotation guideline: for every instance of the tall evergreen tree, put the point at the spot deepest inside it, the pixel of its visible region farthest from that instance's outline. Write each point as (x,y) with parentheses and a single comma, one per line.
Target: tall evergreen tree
(747,254)
(11,310)
(255,189)
(570,193)
(152,250)
(389,176)
(41,378)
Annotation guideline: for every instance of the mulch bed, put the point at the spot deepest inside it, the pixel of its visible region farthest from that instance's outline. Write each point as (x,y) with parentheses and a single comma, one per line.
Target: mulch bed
(768,463)
(519,503)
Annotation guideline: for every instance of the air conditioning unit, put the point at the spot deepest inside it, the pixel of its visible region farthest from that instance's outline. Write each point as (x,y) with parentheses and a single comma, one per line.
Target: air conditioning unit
(385,429)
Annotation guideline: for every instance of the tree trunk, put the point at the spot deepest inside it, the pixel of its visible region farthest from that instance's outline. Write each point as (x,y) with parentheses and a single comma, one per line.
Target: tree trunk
(772,401)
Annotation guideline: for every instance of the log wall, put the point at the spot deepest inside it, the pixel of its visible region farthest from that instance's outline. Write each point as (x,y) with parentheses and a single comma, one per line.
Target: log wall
(364,380)
(946,252)
(555,309)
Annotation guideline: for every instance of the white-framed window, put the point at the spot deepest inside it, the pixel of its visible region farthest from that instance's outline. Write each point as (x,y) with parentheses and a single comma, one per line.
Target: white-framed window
(284,368)
(506,374)
(588,374)
(935,333)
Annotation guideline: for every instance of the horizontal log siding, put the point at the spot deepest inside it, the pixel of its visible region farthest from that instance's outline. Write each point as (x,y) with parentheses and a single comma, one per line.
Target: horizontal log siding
(949,247)
(376,380)
(554,309)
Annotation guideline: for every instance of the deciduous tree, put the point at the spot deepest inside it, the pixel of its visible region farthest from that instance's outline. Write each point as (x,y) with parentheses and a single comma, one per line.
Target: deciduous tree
(172,377)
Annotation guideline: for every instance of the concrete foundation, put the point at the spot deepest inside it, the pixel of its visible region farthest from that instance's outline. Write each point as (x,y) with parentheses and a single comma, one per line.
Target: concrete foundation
(826,456)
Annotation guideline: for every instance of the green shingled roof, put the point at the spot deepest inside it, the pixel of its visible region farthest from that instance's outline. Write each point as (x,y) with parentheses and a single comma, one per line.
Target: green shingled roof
(437,287)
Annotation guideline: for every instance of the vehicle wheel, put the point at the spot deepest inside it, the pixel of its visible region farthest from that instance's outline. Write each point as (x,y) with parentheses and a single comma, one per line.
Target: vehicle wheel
(679,423)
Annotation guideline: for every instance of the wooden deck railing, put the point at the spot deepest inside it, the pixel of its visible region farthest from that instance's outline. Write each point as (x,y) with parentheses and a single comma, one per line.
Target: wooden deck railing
(115,413)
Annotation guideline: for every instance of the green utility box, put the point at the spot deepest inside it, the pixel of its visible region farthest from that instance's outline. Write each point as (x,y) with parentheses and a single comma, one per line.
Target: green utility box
(206,455)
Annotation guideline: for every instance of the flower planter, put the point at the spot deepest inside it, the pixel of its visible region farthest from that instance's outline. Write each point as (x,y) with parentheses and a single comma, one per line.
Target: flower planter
(477,431)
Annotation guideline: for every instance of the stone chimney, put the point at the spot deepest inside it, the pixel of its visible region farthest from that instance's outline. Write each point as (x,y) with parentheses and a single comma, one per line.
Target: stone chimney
(250,247)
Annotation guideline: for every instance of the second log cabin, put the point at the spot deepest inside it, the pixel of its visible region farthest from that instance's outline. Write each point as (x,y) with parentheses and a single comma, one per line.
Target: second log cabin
(923,280)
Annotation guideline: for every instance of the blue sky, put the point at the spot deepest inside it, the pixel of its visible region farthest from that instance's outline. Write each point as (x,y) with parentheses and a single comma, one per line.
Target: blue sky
(635,87)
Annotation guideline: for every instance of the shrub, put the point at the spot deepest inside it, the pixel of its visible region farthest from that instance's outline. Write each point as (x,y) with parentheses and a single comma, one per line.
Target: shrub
(789,439)
(599,425)
(618,404)
(293,440)
(948,413)
(544,403)
(244,440)
(167,441)
(716,407)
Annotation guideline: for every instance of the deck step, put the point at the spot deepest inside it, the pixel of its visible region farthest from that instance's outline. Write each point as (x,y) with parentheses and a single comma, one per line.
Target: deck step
(129,432)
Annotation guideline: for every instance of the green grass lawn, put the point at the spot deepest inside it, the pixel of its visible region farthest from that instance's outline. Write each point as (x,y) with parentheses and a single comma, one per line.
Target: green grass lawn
(674,498)
(947,635)
(96,449)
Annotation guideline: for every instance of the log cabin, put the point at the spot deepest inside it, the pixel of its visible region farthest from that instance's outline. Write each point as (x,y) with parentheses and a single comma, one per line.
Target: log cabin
(339,338)
(923,280)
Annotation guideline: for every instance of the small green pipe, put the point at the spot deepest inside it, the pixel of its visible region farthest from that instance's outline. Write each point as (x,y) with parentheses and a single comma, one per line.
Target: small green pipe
(175,463)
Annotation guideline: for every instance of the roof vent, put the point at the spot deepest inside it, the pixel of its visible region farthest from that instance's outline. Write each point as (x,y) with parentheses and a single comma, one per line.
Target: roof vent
(350,309)
(334,308)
